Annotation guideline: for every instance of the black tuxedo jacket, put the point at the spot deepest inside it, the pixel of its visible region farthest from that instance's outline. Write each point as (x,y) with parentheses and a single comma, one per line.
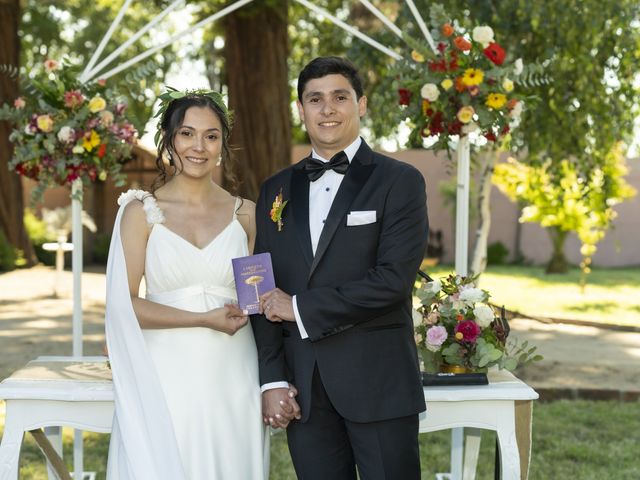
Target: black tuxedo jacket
(354,295)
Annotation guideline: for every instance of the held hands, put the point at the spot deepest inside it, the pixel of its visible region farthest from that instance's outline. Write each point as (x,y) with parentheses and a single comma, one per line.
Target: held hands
(279,406)
(277,306)
(228,319)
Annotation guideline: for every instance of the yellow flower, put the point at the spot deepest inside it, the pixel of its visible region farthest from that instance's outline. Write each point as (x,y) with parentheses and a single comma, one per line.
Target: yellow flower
(465,114)
(97,104)
(446,84)
(103,175)
(45,123)
(91,141)
(459,336)
(496,100)
(472,76)
(417,56)
(507,85)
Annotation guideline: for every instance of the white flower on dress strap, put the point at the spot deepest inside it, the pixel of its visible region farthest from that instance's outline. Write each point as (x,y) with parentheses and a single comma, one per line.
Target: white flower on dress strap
(149,204)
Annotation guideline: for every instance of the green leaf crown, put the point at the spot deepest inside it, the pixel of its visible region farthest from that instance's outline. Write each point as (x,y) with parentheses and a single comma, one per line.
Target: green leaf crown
(173,94)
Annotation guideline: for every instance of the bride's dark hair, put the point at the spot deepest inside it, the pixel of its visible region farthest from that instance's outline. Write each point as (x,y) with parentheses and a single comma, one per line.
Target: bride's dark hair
(171,119)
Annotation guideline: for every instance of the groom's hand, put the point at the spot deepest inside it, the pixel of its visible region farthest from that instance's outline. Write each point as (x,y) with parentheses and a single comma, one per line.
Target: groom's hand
(277,306)
(279,406)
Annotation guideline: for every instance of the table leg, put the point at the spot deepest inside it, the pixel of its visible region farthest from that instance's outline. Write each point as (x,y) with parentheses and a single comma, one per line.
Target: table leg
(10,448)
(509,454)
(457,447)
(54,435)
(471,453)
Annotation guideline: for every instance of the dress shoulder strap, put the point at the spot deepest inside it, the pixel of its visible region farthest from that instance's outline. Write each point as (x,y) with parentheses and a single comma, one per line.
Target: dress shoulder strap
(149,204)
(236,207)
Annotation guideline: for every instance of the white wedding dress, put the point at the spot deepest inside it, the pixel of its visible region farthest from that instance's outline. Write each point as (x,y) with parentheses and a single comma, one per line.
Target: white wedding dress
(187,399)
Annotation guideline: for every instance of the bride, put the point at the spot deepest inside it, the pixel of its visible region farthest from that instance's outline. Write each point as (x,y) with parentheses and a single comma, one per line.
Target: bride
(185,369)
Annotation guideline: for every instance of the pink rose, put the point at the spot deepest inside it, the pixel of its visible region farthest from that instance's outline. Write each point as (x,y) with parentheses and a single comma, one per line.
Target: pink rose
(73,98)
(469,329)
(436,336)
(19,103)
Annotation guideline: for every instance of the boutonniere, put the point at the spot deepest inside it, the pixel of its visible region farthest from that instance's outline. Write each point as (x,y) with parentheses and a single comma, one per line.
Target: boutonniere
(276,210)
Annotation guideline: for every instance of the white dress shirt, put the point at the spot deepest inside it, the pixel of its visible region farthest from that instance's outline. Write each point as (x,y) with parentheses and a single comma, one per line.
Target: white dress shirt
(322,192)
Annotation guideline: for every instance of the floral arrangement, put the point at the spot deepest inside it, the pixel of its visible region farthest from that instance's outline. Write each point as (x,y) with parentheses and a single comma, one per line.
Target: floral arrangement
(459,328)
(468,85)
(65,130)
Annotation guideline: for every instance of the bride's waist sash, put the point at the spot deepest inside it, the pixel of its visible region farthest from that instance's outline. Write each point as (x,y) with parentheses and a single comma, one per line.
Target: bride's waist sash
(216,293)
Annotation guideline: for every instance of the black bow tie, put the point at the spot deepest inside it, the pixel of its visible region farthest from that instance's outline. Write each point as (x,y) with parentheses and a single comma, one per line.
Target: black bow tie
(315,168)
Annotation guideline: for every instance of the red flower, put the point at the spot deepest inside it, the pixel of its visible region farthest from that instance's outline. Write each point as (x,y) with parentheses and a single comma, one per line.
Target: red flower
(495,53)
(405,96)
(441,47)
(439,66)
(469,329)
(490,136)
(462,43)
(505,130)
(102,149)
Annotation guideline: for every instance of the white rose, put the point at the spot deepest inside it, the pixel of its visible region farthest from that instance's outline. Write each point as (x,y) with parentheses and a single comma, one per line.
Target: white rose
(516,111)
(471,295)
(65,134)
(78,149)
(483,314)
(518,66)
(483,35)
(430,92)
(434,286)
(417,317)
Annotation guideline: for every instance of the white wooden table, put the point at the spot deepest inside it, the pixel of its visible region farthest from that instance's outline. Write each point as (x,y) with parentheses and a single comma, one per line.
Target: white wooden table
(55,391)
(504,406)
(51,392)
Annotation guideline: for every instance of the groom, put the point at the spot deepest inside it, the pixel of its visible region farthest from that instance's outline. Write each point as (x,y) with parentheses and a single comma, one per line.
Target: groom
(339,327)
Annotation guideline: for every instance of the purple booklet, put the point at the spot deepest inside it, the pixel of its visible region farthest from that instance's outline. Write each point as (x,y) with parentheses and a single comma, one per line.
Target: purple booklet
(254,277)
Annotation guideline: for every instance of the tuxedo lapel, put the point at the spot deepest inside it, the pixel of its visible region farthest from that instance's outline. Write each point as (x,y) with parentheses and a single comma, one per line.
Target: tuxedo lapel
(359,171)
(299,203)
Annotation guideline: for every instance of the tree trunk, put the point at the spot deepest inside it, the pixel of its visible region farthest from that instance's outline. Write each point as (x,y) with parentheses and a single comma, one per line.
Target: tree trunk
(558,262)
(256,52)
(479,257)
(11,204)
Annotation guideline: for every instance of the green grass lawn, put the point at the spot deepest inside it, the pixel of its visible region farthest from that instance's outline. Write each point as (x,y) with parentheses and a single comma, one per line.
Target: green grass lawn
(571,440)
(612,295)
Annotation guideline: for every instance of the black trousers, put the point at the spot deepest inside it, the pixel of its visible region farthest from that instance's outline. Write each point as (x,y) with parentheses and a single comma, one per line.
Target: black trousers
(328,446)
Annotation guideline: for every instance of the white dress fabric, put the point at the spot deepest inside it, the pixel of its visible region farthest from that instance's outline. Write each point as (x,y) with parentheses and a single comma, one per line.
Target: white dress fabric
(187,399)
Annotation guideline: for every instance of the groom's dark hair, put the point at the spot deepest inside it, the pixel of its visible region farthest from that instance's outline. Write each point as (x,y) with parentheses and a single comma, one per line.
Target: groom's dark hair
(322,66)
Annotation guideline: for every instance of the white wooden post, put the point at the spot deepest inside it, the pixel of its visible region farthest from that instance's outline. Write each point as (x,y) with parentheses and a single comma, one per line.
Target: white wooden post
(76,236)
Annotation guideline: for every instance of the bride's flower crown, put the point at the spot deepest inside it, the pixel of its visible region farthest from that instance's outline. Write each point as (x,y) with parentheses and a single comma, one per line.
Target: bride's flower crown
(173,94)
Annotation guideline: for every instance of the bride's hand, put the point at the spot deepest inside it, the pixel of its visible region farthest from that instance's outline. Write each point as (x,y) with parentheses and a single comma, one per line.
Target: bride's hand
(228,319)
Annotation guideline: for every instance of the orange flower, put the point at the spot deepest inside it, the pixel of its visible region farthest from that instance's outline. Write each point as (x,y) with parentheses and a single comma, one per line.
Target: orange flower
(447,30)
(512,103)
(459,317)
(462,43)
(459,84)
(102,150)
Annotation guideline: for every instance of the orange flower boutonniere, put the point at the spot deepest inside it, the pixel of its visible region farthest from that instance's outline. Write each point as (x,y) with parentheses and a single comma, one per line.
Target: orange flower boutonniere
(276,210)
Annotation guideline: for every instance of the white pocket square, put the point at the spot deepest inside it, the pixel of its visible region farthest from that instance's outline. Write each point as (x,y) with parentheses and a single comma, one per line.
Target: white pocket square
(364,217)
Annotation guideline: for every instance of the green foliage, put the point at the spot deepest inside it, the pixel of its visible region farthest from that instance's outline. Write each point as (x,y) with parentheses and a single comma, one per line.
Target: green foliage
(497,253)
(38,235)
(566,199)
(8,254)
(101,248)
